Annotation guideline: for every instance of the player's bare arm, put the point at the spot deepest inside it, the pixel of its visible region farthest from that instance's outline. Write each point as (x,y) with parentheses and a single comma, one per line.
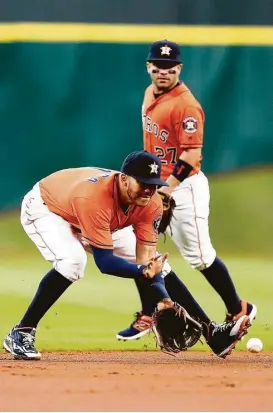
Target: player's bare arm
(144,253)
(189,156)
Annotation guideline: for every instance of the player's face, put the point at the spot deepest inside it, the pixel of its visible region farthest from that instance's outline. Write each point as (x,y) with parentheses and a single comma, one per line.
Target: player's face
(139,193)
(164,75)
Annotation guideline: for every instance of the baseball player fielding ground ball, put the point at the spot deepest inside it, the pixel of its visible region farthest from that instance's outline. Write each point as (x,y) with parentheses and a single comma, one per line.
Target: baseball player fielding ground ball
(94,209)
(77,209)
(173,124)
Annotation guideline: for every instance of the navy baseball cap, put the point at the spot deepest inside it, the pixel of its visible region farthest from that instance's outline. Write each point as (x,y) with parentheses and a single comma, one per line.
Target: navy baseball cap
(164,50)
(144,167)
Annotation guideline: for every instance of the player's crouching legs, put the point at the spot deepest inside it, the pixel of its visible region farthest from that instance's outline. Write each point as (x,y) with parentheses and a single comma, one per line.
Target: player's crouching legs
(53,236)
(72,267)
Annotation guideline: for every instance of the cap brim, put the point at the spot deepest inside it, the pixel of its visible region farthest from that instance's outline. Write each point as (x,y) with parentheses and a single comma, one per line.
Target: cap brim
(159,59)
(151,181)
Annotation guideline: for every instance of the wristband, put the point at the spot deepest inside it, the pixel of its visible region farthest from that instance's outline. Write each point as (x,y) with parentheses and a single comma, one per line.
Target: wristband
(182,170)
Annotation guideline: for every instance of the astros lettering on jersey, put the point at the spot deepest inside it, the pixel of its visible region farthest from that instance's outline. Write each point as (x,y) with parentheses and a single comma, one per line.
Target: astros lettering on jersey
(172,122)
(88,199)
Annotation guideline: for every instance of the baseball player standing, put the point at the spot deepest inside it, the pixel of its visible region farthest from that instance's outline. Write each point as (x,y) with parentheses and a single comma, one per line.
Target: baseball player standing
(173,123)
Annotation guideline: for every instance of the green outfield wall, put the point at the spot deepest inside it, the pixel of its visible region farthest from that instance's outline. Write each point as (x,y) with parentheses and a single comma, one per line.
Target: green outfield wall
(208,12)
(66,103)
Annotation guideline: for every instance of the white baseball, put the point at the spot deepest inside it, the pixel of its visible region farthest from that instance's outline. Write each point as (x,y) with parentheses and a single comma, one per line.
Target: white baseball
(254,345)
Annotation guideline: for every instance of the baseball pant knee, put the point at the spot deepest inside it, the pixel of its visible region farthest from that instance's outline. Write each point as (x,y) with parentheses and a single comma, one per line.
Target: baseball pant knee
(72,268)
(200,262)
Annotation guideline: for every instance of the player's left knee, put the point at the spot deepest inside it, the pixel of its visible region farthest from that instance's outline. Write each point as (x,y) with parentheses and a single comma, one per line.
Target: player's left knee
(72,268)
(201,261)
(202,266)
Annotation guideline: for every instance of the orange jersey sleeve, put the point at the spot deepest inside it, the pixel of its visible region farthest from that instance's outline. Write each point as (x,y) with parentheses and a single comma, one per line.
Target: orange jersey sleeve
(146,229)
(190,127)
(94,222)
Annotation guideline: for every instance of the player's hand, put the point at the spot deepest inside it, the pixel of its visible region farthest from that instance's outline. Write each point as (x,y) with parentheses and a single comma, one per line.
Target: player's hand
(154,266)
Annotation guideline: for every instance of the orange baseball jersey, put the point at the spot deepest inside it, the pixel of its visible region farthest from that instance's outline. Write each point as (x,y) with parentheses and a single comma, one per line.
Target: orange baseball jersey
(172,122)
(88,199)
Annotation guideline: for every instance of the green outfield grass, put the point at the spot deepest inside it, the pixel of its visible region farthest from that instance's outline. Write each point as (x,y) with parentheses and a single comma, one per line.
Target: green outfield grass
(95,308)
(90,313)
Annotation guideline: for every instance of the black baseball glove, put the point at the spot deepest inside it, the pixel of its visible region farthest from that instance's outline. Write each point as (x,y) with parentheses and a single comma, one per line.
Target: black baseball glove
(168,207)
(175,330)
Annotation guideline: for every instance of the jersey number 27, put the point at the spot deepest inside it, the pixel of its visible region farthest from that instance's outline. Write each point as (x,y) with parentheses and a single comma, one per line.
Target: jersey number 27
(163,152)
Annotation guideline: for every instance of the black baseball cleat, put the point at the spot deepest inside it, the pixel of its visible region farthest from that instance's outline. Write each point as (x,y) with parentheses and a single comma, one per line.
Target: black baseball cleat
(246,309)
(20,343)
(222,338)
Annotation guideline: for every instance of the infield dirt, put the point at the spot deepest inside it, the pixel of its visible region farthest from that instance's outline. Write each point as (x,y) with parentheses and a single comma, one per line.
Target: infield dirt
(137,381)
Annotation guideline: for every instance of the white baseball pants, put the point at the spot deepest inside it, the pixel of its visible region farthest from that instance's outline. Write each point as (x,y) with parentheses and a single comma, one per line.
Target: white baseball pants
(55,240)
(189,227)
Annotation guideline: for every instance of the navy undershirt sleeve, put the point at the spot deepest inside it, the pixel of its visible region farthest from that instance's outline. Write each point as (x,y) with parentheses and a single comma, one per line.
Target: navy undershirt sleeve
(108,263)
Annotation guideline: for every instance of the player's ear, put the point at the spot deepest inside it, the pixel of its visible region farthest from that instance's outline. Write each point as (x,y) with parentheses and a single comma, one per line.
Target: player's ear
(180,67)
(149,67)
(124,179)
